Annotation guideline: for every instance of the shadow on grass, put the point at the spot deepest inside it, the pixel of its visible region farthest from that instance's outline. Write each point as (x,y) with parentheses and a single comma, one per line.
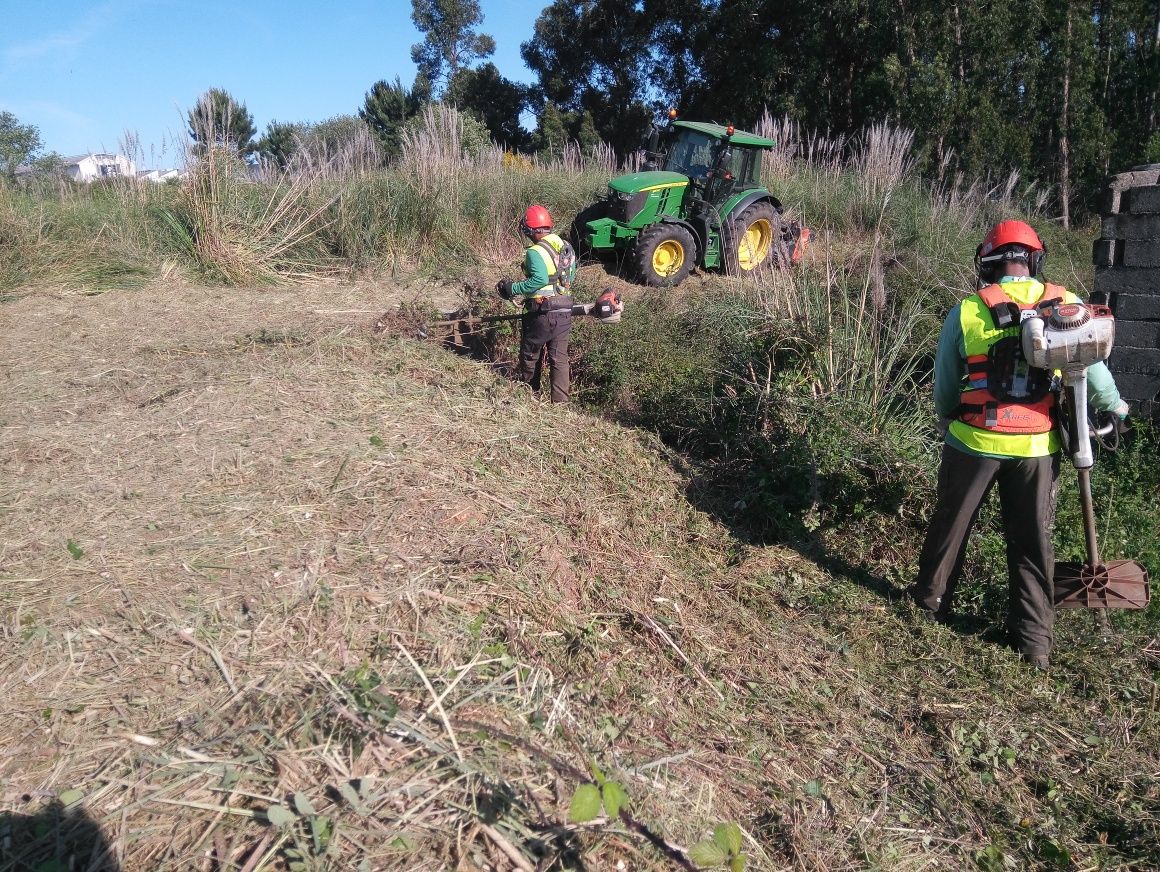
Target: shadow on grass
(733,495)
(55,839)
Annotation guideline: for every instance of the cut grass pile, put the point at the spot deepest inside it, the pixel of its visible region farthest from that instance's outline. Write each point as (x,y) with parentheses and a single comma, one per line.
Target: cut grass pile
(279,592)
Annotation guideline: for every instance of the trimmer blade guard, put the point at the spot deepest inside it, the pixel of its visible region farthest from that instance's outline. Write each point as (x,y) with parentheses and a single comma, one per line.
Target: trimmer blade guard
(1120,584)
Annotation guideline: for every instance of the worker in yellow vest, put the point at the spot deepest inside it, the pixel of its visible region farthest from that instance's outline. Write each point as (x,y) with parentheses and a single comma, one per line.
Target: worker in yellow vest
(546,293)
(999,418)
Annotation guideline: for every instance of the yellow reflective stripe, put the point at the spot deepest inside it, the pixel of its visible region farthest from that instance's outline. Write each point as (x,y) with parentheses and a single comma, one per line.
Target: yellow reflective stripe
(664,186)
(1008,444)
(549,262)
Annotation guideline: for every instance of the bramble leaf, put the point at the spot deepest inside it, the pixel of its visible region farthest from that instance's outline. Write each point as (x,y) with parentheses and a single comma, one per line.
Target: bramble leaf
(615,798)
(708,853)
(280,816)
(585,804)
(728,838)
(302,804)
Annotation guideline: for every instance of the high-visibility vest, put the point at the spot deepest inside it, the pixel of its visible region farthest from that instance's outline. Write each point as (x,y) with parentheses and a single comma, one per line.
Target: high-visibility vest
(1006,407)
(560,261)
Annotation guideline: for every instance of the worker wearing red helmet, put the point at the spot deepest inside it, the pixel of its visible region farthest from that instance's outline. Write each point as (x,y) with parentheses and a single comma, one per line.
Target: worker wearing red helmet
(999,418)
(546,293)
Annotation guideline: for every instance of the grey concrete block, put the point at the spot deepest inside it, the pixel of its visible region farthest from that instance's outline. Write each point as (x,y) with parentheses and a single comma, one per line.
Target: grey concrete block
(1139,388)
(1138,334)
(1131,227)
(1141,252)
(1142,282)
(1114,200)
(1134,360)
(1107,252)
(1145,200)
(1138,176)
(1135,307)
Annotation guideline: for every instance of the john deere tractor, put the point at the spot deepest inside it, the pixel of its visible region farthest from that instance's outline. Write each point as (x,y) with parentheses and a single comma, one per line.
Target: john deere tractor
(697,202)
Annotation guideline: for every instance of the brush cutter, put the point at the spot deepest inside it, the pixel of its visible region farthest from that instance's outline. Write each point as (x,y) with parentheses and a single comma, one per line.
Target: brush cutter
(1069,337)
(607,309)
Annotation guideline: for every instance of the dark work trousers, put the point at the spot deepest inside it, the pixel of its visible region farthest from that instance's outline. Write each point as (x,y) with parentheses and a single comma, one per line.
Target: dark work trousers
(547,330)
(1027,489)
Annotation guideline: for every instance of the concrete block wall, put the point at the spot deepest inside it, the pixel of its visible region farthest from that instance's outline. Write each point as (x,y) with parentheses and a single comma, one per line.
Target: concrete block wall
(1127,260)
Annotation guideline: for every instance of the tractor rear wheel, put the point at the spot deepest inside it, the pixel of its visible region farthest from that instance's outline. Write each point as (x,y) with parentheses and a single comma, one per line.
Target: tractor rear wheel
(578,233)
(664,255)
(753,240)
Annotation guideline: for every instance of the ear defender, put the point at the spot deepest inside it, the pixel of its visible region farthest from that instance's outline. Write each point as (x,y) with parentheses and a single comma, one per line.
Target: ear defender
(1036,260)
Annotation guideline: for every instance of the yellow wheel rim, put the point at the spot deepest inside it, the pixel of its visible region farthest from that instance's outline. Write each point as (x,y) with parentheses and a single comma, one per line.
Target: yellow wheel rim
(668,258)
(754,248)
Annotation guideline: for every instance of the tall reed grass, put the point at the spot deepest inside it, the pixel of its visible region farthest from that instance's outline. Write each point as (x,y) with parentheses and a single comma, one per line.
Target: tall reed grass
(439,205)
(449,203)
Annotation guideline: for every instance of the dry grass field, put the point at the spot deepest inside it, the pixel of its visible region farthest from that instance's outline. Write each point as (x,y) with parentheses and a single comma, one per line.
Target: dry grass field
(256,555)
(280,592)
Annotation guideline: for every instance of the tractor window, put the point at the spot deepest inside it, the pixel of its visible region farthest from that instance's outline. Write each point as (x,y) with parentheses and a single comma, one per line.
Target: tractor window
(692,154)
(743,165)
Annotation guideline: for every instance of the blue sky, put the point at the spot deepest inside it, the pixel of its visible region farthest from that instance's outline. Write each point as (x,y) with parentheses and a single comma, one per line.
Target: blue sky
(84,72)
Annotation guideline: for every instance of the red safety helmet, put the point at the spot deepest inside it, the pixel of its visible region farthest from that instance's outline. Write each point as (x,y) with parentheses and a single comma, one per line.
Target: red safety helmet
(1011,233)
(535,219)
(997,247)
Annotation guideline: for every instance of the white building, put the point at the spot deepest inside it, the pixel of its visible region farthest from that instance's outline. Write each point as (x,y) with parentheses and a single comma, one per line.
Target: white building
(159,176)
(89,167)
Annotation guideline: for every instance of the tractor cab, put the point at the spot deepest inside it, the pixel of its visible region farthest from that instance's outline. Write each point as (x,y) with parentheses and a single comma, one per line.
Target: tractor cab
(699,201)
(712,162)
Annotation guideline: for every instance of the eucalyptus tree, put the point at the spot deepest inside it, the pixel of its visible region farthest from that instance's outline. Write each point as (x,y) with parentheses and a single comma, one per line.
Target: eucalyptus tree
(451,41)
(19,143)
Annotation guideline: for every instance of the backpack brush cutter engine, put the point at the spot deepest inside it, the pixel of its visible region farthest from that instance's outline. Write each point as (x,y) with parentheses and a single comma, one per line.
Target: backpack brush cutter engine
(1069,337)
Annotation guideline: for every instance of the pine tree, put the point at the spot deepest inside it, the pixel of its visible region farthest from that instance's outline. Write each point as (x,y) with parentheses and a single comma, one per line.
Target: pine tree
(387,107)
(220,120)
(279,143)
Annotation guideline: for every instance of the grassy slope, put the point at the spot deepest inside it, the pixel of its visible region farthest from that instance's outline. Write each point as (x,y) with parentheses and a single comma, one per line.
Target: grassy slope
(263,601)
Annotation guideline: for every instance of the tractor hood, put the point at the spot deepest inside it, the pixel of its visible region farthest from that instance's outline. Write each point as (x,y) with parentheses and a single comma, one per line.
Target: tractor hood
(635,183)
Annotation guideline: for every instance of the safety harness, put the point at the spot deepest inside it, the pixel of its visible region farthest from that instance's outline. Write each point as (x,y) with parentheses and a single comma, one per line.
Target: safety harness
(1004,393)
(562,261)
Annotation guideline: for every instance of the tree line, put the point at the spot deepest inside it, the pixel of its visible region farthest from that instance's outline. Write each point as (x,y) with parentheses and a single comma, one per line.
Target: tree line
(1065,91)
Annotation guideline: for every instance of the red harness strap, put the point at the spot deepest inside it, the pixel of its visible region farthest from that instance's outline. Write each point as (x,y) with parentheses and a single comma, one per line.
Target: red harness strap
(986,402)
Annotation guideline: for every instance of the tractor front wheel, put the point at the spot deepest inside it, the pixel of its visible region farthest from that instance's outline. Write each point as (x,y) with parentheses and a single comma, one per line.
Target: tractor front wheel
(578,232)
(753,241)
(664,255)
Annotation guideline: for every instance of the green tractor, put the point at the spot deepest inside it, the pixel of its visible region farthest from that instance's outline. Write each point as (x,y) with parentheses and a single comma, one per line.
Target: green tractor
(699,202)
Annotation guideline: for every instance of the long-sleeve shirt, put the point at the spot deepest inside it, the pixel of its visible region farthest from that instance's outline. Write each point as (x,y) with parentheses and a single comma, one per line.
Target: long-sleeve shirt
(950,369)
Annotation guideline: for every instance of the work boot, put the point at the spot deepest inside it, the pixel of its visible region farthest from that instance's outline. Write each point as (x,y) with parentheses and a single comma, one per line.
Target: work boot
(1037,660)
(916,613)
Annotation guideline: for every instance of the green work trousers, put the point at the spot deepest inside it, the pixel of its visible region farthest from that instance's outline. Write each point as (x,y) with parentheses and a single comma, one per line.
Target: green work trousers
(1027,490)
(545,333)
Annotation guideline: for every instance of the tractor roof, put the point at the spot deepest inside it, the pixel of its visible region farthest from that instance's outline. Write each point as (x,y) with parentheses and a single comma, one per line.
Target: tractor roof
(740,137)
